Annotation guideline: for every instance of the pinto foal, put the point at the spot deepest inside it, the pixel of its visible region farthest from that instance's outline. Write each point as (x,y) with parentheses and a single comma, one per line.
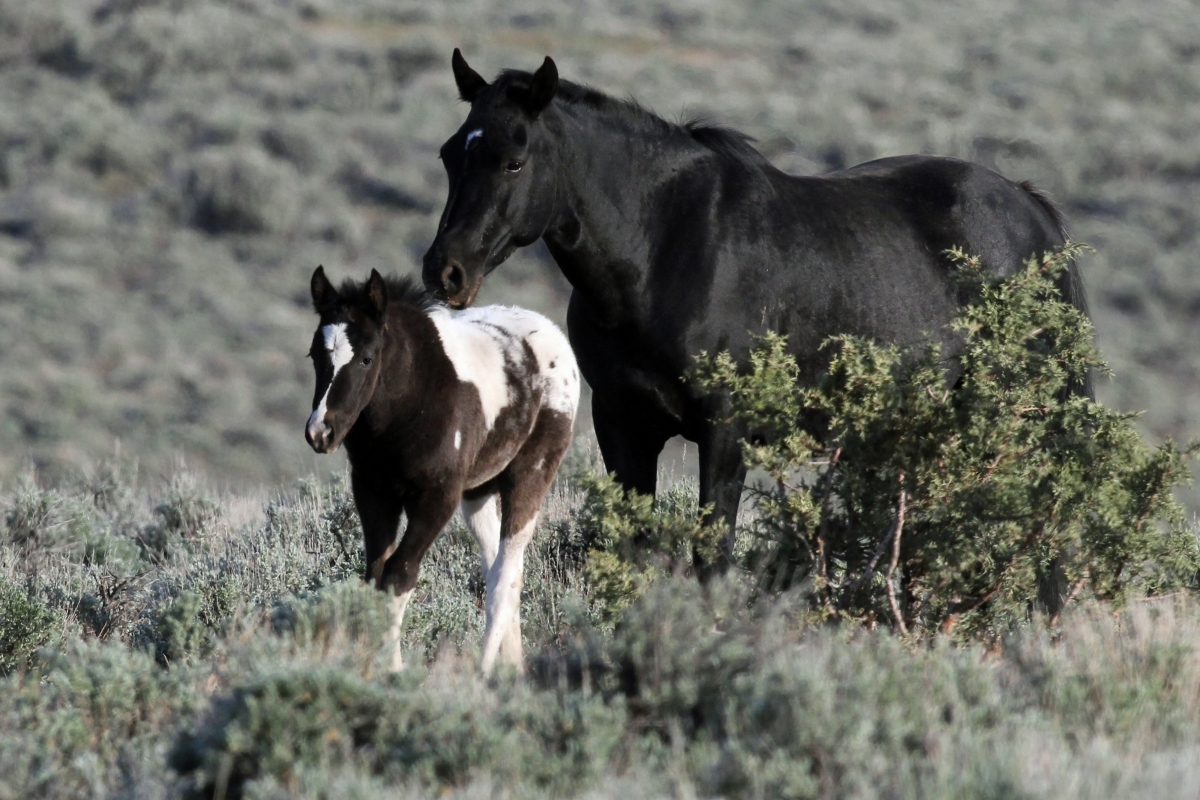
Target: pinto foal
(437,410)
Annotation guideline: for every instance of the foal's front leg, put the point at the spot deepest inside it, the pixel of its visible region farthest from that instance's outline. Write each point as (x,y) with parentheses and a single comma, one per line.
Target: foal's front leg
(428,512)
(379,510)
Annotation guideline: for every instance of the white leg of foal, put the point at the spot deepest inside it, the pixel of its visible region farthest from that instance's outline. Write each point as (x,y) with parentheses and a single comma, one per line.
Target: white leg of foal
(398,605)
(483,520)
(511,650)
(504,593)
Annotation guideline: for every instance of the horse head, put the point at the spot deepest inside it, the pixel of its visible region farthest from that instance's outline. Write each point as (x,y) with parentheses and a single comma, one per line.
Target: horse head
(345,354)
(501,171)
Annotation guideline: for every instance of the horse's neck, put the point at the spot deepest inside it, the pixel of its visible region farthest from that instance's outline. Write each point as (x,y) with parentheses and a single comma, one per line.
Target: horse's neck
(602,237)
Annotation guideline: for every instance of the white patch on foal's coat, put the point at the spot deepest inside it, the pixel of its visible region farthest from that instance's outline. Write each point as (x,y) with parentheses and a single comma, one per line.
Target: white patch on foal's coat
(458,440)
(472,136)
(480,340)
(340,354)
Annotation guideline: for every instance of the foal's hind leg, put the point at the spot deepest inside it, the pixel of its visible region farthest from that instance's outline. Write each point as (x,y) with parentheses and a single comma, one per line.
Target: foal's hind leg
(523,486)
(482,515)
(481,512)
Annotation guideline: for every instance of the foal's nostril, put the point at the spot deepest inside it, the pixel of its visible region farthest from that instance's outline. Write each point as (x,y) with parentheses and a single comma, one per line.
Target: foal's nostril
(453,279)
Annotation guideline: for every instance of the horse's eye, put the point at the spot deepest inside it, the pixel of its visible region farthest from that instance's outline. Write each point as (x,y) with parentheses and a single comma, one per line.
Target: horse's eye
(366,362)
(514,166)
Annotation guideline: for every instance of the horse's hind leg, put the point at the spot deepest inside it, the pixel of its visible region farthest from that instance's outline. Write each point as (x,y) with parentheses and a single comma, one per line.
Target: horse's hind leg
(523,486)
(722,477)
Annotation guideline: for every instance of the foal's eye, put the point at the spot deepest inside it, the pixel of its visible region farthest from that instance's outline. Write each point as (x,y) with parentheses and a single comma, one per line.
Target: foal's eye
(514,166)
(366,362)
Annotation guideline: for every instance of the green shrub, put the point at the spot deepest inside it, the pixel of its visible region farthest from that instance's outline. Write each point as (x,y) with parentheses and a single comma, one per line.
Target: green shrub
(350,608)
(943,495)
(429,737)
(31,514)
(186,515)
(633,540)
(188,626)
(88,720)
(180,631)
(26,625)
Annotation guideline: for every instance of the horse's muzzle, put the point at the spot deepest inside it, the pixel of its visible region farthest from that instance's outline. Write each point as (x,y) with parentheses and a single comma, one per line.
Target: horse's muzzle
(455,287)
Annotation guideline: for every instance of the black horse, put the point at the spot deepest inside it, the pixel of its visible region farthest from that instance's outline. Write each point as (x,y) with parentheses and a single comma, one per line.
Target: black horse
(438,409)
(679,238)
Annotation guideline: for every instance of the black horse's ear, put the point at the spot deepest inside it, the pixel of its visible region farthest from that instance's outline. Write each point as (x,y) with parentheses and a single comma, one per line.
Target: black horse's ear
(323,293)
(377,293)
(541,89)
(470,83)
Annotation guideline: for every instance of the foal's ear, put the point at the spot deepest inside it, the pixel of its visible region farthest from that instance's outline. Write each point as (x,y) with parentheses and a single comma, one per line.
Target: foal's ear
(541,89)
(323,293)
(470,83)
(377,293)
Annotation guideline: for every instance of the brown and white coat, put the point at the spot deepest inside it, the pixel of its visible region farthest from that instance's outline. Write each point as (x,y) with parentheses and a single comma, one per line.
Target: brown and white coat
(440,410)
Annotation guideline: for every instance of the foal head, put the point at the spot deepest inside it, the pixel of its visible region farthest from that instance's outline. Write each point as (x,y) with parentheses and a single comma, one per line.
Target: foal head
(501,173)
(345,354)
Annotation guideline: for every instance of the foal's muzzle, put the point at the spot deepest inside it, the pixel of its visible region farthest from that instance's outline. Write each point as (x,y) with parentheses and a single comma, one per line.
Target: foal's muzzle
(320,435)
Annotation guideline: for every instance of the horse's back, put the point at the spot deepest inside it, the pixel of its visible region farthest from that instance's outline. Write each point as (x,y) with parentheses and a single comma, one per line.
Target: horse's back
(862,251)
(987,214)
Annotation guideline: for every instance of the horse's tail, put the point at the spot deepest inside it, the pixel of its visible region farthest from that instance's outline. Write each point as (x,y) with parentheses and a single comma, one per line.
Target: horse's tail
(1071,283)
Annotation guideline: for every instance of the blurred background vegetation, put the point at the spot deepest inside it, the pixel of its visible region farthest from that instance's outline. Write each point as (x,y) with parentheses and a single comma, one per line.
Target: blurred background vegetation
(172,172)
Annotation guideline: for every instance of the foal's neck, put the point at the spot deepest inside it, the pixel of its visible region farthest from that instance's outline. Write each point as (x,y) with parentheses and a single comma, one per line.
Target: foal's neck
(397,400)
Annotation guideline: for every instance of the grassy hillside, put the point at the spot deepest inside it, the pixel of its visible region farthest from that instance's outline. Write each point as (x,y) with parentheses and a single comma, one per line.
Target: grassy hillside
(157,640)
(173,171)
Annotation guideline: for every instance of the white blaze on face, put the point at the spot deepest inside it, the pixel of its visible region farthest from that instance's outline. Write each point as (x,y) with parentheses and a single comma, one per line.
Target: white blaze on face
(340,354)
(472,136)
(457,440)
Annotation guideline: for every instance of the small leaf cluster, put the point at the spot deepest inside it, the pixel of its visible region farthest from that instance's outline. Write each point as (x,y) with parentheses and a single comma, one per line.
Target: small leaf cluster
(930,492)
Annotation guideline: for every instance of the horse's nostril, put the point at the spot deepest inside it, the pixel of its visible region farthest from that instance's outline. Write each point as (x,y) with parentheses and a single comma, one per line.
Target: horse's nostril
(453,279)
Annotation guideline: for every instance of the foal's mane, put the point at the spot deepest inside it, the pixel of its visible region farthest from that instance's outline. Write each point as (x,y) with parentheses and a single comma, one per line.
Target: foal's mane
(720,139)
(404,291)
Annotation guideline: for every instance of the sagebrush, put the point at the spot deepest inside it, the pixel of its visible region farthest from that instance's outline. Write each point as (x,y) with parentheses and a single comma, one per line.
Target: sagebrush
(933,491)
(251,662)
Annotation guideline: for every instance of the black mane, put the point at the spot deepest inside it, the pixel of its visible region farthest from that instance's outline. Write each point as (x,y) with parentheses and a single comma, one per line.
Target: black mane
(405,291)
(720,139)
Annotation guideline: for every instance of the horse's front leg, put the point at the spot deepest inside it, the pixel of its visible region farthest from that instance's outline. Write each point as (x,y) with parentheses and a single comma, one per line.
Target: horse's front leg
(629,442)
(428,513)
